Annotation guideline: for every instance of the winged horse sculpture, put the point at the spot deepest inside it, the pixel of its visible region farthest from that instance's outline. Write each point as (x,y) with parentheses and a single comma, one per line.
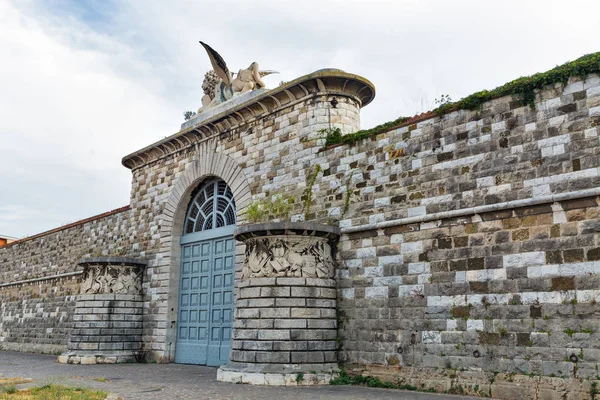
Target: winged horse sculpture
(219,84)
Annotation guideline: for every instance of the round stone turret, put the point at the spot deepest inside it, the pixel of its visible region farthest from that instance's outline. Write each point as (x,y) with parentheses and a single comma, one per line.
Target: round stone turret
(285,324)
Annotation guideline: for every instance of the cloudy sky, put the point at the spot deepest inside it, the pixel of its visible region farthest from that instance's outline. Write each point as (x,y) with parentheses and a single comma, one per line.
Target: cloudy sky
(83,83)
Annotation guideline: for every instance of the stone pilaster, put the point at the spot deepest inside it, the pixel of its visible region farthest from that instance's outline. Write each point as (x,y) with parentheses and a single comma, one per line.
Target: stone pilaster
(108,314)
(285,328)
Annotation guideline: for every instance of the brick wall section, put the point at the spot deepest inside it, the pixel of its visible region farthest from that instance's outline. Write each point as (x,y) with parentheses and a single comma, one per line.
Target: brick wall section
(503,152)
(109,324)
(57,251)
(517,288)
(285,320)
(38,316)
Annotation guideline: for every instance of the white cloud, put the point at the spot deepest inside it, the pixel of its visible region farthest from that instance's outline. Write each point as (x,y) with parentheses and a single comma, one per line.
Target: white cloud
(15,212)
(79,90)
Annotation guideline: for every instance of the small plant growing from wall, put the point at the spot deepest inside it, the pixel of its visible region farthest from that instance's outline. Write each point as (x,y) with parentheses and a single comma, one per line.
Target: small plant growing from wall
(347,196)
(443,100)
(188,115)
(331,135)
(311,178)
(278,207)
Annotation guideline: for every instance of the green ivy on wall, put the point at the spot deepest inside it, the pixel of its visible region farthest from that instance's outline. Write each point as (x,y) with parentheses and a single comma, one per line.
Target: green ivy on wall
(523,88)
(334,135)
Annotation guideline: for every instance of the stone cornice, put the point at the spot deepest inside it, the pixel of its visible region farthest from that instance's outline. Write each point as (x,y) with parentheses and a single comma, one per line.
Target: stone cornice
(235,114)
(112,261)
(307,228)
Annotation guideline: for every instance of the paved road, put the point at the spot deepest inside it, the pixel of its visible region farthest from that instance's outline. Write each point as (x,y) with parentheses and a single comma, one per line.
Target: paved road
(176,381)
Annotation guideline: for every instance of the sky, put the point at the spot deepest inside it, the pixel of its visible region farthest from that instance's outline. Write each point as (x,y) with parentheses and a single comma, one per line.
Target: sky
(85,82)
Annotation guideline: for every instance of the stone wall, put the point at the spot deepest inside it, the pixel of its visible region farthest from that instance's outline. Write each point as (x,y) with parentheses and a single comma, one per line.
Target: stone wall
(513,290)
(109,324)
(413,197)
(37,316)
(432,276)
(285,140)
(285,320)
(58,251)
(469,239)
(39,280)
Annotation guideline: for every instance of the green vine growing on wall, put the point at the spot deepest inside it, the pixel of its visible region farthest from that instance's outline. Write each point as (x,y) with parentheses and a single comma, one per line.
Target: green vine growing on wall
(347,197)
(331,135)
(334,136)
(311,178)
(280,206)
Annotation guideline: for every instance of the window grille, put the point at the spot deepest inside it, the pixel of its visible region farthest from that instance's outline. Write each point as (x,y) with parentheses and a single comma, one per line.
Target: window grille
(212,207)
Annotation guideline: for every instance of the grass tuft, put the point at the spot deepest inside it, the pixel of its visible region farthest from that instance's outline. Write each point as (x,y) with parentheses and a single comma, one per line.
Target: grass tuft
(50,391)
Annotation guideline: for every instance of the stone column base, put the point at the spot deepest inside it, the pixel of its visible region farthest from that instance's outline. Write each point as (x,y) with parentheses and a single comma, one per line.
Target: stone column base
(278,374)
(108,318)
(285,326)
(87,358)
(106,327)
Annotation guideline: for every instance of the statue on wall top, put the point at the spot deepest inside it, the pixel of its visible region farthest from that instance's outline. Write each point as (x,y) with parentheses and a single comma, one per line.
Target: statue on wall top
(219,85)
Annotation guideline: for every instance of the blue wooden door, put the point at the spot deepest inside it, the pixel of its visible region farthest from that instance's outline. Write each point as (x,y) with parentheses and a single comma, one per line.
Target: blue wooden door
(206,302)
(206,284)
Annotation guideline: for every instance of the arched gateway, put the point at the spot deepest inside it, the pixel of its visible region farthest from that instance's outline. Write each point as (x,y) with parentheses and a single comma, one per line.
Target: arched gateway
(207,274)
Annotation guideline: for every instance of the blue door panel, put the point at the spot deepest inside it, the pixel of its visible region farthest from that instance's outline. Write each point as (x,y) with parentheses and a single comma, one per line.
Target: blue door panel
(206,302)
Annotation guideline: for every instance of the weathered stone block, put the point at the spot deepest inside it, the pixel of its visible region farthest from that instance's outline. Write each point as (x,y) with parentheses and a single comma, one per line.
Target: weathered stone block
(275,313)
(305,313)
(308,357)
(257,345)
(275,291)
(269,334)
(304,292)
(250,292)
(290,323)
(276,357)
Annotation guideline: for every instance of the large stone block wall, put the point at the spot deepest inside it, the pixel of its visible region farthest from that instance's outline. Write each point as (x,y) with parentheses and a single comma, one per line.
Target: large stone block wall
(58,251)
(503,152)
(513,290)
(288,137)
(37,286)
(418,254)
(286,321)
(38,316)
(109,324)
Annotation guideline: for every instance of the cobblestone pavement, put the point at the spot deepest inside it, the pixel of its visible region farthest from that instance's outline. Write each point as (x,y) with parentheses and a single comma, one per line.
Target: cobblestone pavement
(177,381)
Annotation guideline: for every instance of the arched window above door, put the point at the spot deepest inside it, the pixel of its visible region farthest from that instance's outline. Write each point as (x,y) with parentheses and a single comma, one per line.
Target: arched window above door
(212,206)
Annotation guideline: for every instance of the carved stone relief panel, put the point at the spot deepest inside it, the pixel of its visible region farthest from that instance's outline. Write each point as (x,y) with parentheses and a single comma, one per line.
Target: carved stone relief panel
(123,279)
(288,255)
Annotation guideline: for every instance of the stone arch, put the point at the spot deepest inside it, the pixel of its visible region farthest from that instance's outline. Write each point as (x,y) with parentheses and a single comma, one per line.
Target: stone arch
(207,163)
